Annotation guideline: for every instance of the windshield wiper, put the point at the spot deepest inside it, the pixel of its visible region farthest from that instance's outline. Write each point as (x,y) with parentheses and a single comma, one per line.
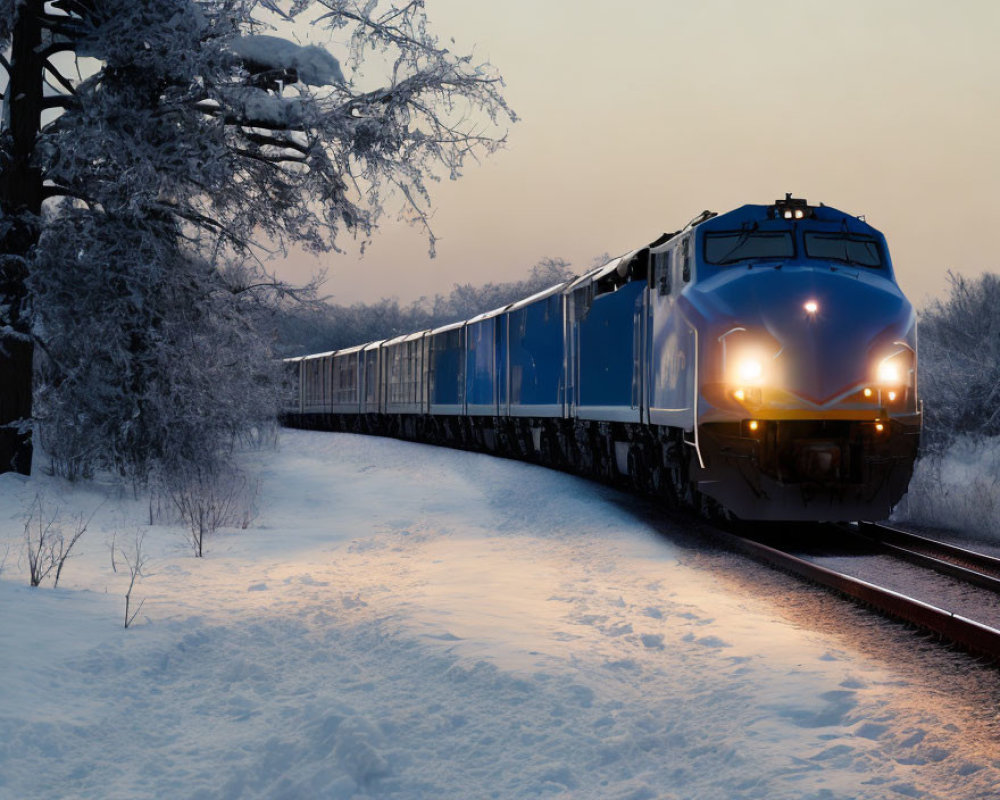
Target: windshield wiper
(744,238)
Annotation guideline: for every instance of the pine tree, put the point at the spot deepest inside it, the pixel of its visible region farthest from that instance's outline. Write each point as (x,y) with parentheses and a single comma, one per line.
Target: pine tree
(150,145)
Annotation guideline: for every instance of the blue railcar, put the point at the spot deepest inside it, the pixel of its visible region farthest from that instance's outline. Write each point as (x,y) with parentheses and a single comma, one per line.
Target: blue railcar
(316,385)
(345,381)
(405,374)
(485,371)
(536,359)
(605,322)
(446,369)
(372,397)
(760,363)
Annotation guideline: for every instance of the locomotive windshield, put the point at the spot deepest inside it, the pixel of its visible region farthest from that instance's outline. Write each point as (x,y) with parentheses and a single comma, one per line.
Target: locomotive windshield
(851,248)
(729,247)
(733,247)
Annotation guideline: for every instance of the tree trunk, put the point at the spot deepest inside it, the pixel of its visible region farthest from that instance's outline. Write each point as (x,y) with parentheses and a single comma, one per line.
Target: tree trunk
(20,205)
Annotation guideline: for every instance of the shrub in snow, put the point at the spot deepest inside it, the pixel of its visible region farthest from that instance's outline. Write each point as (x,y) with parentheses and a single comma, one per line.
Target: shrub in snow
(960,362)
(207,497)
(957,489)
(135,562)
(49,541)
(956,482)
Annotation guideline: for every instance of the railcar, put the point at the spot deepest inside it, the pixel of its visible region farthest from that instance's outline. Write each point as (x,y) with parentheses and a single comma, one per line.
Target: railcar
(760,363)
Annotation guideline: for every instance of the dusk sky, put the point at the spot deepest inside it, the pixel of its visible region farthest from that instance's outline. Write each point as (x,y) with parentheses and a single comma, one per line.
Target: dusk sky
(637,115)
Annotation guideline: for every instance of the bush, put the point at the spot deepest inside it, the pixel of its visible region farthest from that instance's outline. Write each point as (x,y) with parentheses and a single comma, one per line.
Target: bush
(958,489)
(960,363)
(956,482)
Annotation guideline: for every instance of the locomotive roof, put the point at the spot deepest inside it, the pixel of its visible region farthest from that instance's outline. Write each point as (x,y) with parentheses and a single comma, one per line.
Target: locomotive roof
(494,313)
(599,272)
(318,355)
(346,351)
(404,337)
(449,327)
(752,213)
(527,301)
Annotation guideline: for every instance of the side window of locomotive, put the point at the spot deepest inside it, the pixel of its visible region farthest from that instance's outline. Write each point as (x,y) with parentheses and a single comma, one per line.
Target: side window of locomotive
(732,247)
(855,249)
(686,259)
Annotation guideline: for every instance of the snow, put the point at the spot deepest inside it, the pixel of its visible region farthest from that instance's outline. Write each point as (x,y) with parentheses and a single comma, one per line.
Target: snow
(258,105)
(958,490)
(403,621)
(314,65)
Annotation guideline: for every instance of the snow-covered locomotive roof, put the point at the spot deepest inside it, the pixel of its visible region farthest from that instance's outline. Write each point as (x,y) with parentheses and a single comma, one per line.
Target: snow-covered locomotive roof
(527,301)
(405,337)
(496,312)
(451,326)
(597,273)
(312,356)
(346,351)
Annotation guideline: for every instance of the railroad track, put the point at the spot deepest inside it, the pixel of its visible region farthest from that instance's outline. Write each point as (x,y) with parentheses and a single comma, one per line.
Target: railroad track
(969,571)
(976,568)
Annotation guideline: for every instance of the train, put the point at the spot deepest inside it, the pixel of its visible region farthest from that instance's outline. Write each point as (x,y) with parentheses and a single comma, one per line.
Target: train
(759,364)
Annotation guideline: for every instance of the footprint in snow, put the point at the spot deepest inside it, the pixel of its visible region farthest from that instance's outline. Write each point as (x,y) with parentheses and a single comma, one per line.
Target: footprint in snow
(445,637)
(706,641)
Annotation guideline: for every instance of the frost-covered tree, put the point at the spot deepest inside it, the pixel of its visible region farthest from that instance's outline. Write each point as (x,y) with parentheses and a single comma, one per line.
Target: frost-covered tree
(147,145)
(157,358)
(960,361)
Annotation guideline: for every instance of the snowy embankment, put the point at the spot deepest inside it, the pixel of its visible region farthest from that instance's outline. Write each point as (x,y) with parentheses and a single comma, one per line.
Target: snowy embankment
(957,491)
(410,622)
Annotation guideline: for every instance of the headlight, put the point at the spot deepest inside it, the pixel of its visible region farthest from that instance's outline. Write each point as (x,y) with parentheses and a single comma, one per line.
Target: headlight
(750,370)
(748,359)
(888,373)
(896,369)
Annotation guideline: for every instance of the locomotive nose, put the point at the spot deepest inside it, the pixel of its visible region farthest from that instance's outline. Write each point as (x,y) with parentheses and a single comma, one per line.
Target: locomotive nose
(824,324)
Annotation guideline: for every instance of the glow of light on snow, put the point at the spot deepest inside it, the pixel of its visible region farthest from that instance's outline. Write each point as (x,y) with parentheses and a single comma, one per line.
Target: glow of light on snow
(401,616)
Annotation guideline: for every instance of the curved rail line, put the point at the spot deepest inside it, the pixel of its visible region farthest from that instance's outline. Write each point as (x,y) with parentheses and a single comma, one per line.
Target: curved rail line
(970,635)
(957,562)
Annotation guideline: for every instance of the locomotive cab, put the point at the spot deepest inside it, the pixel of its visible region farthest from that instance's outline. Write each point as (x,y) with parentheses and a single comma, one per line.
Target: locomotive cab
(806,405)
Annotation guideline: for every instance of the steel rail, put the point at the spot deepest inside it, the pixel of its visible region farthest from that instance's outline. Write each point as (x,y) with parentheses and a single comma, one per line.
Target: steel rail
(966,633)
(959,562)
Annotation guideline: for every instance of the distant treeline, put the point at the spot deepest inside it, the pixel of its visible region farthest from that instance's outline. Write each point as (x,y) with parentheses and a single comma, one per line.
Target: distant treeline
(325,327)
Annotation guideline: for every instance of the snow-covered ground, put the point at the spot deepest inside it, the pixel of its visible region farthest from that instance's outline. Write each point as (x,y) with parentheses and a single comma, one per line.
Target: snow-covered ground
(409,622)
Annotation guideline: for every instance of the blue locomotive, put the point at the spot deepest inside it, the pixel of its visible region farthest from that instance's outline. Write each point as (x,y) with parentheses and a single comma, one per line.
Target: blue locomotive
(760,363)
